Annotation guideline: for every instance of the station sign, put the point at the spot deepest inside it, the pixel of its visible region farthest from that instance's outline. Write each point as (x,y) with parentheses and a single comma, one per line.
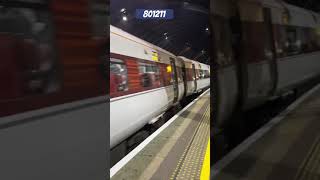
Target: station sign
(155,56)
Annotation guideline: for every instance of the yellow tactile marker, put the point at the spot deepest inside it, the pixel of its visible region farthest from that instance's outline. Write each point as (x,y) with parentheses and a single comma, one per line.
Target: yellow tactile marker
(205,171)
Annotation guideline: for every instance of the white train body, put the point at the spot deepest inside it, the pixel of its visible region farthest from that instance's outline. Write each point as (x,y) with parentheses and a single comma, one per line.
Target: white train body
(262,49)
(154,81)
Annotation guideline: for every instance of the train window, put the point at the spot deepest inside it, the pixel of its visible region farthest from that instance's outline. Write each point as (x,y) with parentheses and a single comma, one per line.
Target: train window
(293,44)
(189,74)
(303,36)
(100,17)
(197,73)
(292,40)
(315,39)
(309,46)
(280,40)
(206,74)
(118,76)
(28,65)
(149,74)
(222,40)
(179,74)
(201,74)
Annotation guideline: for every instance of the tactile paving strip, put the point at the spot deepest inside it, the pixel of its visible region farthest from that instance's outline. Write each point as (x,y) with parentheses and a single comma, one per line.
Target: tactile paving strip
(190,163)
(310,168)
(288,147)
(148,161)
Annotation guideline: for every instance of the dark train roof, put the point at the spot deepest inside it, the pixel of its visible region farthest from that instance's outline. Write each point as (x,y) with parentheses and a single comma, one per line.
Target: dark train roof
(313,5)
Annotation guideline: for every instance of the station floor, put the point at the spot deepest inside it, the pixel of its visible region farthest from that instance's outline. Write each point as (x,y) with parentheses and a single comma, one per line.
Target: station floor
(180,151)
(287,148)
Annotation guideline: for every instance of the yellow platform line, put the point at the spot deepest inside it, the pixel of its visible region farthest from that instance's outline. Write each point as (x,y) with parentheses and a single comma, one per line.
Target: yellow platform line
(205,171)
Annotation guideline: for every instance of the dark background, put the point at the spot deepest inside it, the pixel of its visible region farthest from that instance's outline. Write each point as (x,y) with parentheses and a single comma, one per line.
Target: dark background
(186,33)
(307,4)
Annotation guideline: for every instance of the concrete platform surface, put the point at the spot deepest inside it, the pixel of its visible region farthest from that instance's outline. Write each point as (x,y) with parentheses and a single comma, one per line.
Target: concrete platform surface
(178,152)
(287,148)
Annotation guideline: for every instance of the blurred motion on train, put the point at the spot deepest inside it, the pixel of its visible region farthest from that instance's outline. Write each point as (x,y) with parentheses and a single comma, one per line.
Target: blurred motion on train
(53,89)
(145,81)
(49,55)
(262,49)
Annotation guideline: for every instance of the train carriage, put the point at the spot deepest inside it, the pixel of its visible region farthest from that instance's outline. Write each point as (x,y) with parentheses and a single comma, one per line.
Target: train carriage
(142,65)
(53,94)
(262,49)
(145,81)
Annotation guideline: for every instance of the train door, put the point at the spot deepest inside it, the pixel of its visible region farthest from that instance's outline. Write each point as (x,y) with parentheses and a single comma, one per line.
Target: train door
(237,49)
(175,80)
(273,59)
(252,48)
(184,76)
(194,77)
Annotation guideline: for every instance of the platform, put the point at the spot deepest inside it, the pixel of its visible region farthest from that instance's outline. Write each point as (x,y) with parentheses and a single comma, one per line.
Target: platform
(288,147)
(177,150)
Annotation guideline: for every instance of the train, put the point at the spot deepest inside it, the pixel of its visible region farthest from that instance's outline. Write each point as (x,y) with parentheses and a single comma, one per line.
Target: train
(262,50)
(54,89)
(145,81)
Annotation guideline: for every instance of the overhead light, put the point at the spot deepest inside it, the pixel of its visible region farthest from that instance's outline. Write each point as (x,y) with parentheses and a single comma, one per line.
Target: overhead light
(123,10)
(207,29)
(166,37)
(124,18)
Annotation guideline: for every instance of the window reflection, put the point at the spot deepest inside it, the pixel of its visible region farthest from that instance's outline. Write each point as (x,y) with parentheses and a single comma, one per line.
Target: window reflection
(118,76)
(180,74)
(149,74)
(26,48)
